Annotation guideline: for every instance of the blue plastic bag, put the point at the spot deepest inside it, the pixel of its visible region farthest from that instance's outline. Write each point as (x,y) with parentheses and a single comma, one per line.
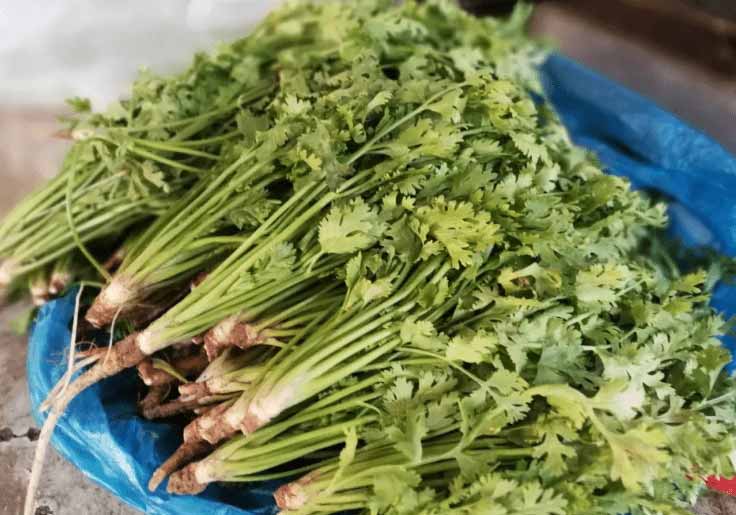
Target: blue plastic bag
(102,434)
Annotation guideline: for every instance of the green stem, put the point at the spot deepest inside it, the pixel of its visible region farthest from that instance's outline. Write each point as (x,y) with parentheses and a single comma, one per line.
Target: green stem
(73,229)
(178,149)
(380,134)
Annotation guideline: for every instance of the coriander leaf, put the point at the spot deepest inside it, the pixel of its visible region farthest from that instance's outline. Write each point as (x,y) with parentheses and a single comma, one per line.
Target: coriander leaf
(638,456)
(355,226)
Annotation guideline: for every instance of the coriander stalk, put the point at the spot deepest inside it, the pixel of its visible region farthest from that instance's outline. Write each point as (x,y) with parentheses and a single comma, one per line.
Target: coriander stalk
(228,461)
(320,361)
(224,277)
(325,488)
(186,221)
(325,171)
(161,333)
(176,237)
(254,326)
(131,173)
(263,457)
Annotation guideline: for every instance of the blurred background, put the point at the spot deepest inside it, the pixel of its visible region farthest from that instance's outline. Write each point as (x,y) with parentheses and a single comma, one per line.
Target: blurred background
(680,53)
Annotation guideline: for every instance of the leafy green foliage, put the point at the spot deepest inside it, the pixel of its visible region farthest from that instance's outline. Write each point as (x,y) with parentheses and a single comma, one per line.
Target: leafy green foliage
(528,357)
(458,316)
(349,228)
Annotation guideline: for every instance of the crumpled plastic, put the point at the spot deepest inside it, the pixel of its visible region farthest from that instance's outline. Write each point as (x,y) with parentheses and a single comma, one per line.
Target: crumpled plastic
(102,434)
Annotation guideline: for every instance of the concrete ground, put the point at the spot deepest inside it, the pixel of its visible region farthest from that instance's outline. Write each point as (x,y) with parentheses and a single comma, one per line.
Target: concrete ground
(63,489)
(29,154)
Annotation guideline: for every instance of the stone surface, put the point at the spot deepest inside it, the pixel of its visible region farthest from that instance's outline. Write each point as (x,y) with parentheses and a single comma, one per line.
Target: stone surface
(716,504)
(63,488)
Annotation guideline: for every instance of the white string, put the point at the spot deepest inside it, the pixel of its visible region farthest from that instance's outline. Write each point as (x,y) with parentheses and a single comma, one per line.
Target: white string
(112,335)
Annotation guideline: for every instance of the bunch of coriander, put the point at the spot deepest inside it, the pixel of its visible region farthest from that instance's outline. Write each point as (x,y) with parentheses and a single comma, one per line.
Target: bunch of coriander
(397,285)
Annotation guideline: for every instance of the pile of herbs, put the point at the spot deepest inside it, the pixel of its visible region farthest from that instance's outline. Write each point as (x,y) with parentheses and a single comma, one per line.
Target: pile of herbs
(378,269)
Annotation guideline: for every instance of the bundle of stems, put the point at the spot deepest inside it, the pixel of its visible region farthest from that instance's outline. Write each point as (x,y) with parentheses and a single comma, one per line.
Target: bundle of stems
(52,280)
(243,188)
(106,186)
(134,161)
(320,178)
(332,488)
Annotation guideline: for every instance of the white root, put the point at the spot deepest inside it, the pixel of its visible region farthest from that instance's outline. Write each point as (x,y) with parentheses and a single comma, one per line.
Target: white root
(148,341)
(39,293)
(124,354)
(205,471)
(78,365)
(112,334)
(262,410)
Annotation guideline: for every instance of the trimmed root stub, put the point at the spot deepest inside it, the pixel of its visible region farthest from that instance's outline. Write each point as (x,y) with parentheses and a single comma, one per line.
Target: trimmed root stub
(154,397)
(251,423)
(230,333)
(203,410)
(293,496)
(59,282)
(124,354)
(168,409)
(152,376)
(222,422)
(110,301)
(212,427)
(185,454)
(187,366)
(194,391)
(184,482)
(40,293)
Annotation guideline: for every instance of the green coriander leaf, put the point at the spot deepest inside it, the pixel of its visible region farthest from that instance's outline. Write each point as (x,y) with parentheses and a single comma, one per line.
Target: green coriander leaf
(355,226)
